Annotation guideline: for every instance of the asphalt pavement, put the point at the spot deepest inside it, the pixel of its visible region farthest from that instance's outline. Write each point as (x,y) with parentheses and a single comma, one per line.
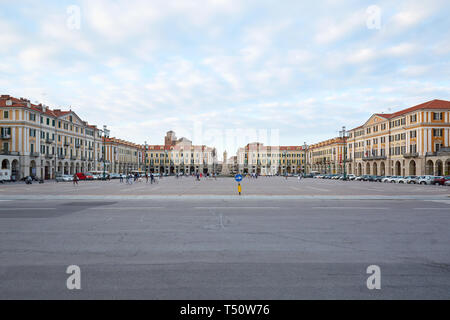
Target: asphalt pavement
(189,243)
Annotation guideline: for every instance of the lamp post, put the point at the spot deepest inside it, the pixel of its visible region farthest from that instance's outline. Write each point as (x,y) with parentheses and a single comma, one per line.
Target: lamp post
(145,158)
(304,160)
(105,135)
(344,134)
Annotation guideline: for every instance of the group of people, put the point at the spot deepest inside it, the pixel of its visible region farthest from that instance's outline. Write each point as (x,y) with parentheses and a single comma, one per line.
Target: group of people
(207,175)
(131,178)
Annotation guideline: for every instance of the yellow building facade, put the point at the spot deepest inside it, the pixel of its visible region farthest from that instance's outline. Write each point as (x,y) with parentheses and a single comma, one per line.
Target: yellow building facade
(413,141)
(38,141)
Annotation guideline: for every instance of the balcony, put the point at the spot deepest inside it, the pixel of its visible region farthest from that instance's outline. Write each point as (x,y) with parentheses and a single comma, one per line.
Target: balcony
(48,140)
(9,153)
(5,136)
(431,154)
(83,158)
(66,144)
(73,158)
(411,155)
(369,158)
(49,156)
(61,156)
(91,148)
(34,154)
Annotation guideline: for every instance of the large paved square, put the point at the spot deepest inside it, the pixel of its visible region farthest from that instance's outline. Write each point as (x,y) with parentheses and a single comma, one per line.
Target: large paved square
(187,239)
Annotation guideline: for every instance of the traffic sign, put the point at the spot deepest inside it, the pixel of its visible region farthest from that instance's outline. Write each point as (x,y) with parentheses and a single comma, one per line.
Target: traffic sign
(238,177)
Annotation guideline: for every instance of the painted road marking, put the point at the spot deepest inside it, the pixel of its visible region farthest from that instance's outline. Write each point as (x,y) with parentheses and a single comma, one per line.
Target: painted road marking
(446,209)
(237,208)
(356,208)
(8,209)
(122,208)
(318,189)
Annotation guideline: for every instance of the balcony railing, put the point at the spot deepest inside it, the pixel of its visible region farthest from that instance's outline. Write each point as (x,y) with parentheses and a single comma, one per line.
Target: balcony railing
(73,158)
(77,145)
(430,154)
(83,158)
(66,144)
(9,153)
(34,154)
(61,156)
(48,140)
(374,158)
(411,155)
(49,156)
(5,136)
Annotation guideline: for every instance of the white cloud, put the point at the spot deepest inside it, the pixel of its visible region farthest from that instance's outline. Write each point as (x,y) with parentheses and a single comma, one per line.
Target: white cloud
(402,49)
(333,30)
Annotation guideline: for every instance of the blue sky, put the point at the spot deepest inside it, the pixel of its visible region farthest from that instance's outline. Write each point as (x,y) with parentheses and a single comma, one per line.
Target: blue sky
(304,69)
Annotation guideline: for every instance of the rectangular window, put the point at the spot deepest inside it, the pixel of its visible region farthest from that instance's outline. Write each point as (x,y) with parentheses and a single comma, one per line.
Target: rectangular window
(6,114)
(437,115)
(438,132)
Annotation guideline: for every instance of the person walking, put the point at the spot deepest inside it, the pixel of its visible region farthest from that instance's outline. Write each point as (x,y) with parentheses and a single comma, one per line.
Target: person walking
(75,179)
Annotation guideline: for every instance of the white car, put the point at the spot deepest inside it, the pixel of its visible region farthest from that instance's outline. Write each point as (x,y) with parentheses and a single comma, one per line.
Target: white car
(64,178)
(408,180)
(447,183)
(426,179)
(390,179)
(397,179)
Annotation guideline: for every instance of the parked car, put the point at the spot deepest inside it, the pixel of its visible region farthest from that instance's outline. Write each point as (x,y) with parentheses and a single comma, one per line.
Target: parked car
(81,176)
(378,178)
(446,179)
(426,180)
(391,179)
(447,183)
(358,178)
(64,178)
(397,179)
(439,180)
(89,176)
(115,176)
(351,177)
(407,180)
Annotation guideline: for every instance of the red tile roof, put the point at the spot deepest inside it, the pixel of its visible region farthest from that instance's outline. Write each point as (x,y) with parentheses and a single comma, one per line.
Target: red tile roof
(433,104)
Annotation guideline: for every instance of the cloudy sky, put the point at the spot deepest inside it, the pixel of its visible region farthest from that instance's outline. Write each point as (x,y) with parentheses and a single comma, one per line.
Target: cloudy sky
(300,68)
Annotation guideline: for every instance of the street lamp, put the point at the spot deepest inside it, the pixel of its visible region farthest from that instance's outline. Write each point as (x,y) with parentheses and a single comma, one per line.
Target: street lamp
(344,134)
(105,135)
(304,160)
(145,158)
